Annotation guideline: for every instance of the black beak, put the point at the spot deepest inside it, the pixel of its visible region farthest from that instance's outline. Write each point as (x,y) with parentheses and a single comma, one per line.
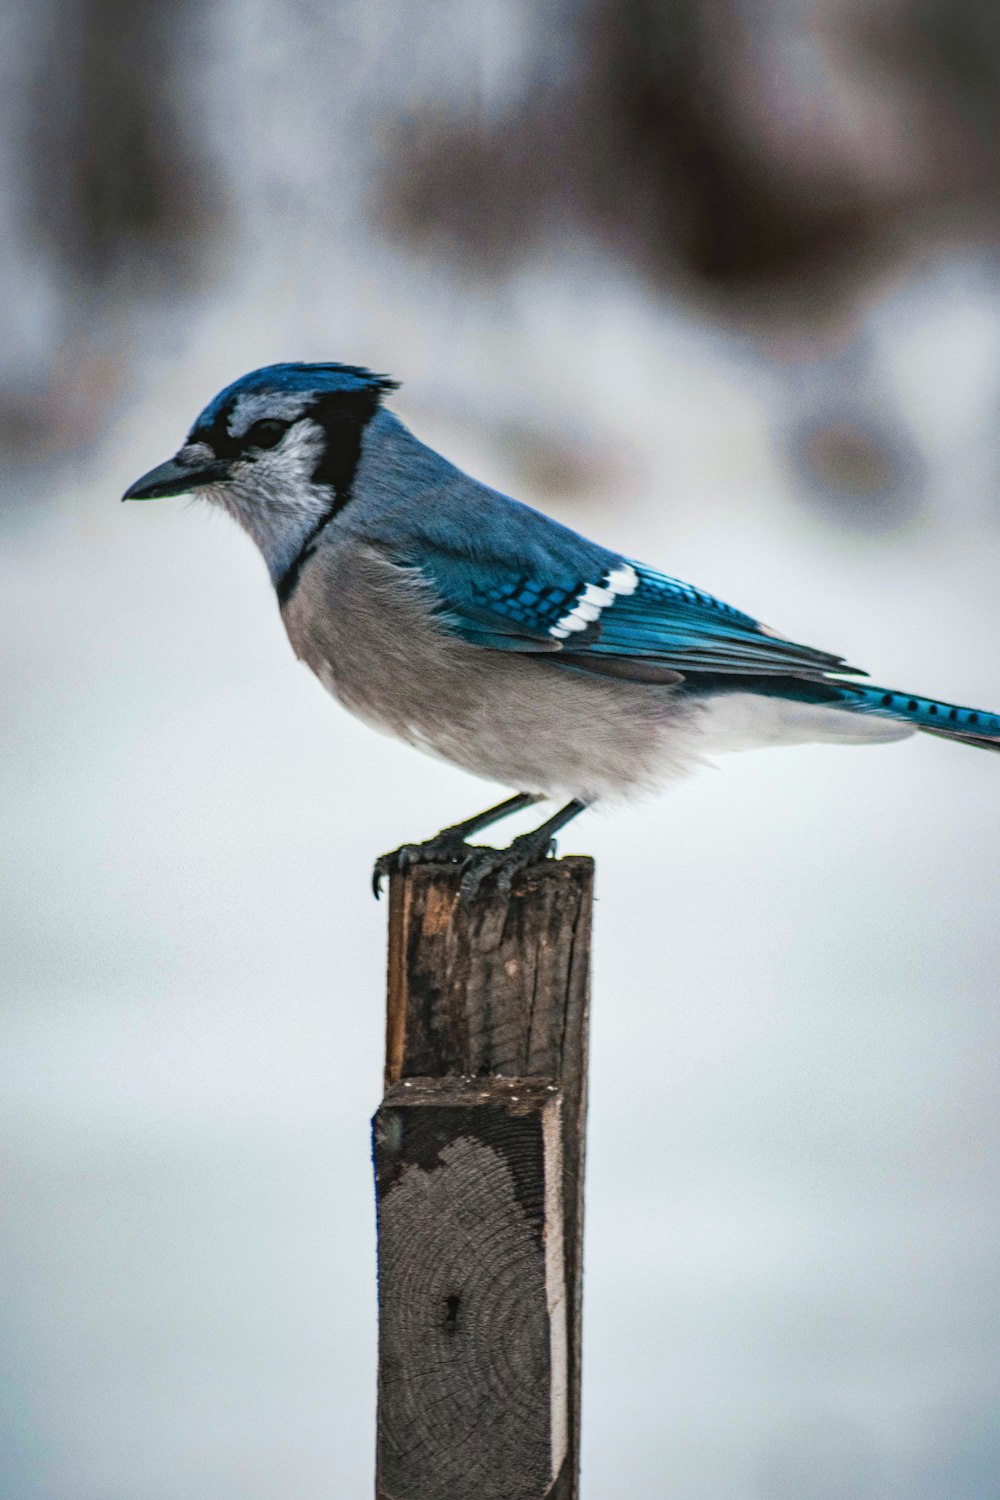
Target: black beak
(177,478)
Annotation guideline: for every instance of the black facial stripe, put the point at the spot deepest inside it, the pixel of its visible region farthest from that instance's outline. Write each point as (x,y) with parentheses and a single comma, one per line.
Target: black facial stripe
(343,415)
(266,433)
(286,585)
(224,444)
(217,435)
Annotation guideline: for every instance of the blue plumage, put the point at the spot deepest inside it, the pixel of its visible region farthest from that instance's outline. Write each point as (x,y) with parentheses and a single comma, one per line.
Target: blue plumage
(932,715)
(476,627)
(662,621)
(330,379)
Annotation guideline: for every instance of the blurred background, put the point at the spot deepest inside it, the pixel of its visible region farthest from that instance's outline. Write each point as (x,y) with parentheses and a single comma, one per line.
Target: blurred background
(716,281)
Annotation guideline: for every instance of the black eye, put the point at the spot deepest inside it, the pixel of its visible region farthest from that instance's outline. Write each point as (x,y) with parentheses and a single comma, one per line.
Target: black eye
(265,433)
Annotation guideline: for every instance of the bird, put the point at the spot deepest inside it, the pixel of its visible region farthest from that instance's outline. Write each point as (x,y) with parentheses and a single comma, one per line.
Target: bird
(478,629)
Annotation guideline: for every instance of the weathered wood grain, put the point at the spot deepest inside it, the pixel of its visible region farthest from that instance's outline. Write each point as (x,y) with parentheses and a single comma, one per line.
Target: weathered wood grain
(473,1392)
(496,991)
(496,988)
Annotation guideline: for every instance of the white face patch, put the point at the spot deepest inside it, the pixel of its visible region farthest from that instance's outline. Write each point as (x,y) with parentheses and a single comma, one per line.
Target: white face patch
(594,599)
(280,478)
(273,497)
(283,406)
(196,453)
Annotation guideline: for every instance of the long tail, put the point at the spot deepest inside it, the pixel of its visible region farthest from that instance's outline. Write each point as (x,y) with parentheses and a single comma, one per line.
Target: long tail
(971,726)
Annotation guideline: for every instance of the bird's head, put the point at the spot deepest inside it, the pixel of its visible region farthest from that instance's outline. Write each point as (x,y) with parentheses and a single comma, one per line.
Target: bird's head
(278,449)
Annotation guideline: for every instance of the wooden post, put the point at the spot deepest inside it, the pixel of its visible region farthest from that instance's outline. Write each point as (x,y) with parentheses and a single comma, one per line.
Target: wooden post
(478,1150)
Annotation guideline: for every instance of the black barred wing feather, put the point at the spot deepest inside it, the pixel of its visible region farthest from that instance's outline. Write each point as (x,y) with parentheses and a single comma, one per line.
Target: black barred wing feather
(596,612)
(671,622)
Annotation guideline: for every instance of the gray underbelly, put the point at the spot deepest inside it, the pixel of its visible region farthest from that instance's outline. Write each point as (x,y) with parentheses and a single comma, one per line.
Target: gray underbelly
(363,627)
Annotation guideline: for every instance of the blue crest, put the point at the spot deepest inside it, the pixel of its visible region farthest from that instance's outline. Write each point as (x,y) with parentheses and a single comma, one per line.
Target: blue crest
(328,378)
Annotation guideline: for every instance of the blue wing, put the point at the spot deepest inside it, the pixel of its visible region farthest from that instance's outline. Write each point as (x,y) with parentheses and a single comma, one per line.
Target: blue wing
(593,610)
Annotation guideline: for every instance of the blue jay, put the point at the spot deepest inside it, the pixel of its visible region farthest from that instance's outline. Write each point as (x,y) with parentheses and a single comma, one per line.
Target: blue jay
(475,628)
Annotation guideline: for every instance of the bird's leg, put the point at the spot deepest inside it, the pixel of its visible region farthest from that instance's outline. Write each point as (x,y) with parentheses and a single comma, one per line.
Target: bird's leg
(502,865)
(449,846)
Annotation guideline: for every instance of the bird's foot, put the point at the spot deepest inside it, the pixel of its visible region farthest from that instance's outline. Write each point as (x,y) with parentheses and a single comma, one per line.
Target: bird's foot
(446,848)
(503,865)
(477,862)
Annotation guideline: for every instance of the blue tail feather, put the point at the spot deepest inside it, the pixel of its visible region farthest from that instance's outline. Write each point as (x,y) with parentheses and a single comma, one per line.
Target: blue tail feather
(950,721)
(973,726)
(970,726)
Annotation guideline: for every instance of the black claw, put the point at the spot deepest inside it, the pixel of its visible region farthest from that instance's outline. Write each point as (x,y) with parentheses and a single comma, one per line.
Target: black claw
(445,849)
(476,863)
(504,865)
(382,868)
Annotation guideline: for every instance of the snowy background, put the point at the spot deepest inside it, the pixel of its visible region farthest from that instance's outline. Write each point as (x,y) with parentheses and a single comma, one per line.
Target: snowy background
(719,285)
